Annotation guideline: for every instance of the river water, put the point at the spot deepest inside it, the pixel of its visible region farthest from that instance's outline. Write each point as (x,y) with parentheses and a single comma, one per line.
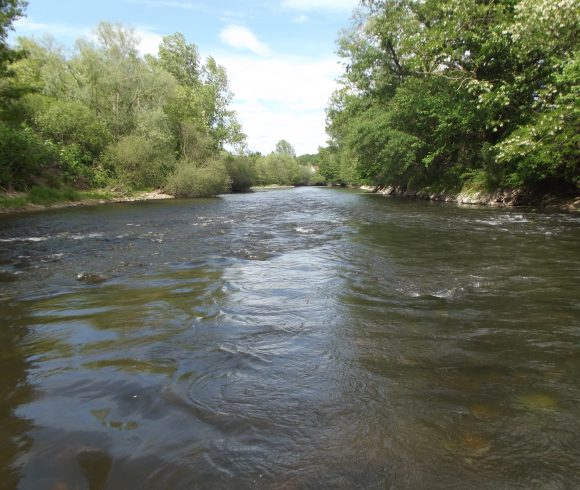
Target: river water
(291,339)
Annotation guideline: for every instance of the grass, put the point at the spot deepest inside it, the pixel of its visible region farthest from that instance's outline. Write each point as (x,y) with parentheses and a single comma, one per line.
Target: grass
(46,196)
(13,202)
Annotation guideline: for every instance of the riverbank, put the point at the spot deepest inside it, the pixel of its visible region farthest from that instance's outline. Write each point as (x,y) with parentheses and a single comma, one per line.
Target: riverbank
(510,198)
(20,202)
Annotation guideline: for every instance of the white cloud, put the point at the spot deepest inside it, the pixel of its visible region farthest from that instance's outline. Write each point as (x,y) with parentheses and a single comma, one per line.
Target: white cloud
(241,38)
(308,5)
(148,41)
(281,98)
(26,25)
(224,15)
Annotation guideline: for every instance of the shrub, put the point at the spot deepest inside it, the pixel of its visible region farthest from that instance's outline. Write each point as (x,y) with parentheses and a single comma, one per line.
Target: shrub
(241,172)
(282,169)
(139,161)
(23,156)
(191,181)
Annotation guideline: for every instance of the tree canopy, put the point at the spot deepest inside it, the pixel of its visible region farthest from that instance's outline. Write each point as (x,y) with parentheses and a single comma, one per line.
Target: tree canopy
(452,93)
(107,115)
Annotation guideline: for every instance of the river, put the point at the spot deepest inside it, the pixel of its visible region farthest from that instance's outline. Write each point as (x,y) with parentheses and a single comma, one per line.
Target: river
(290,339)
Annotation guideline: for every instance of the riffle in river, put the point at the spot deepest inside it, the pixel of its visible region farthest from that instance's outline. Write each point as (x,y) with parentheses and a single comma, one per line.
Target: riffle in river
(291,339)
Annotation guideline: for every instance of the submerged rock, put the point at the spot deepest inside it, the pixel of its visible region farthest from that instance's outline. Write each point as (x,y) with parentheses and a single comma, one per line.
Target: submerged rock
(6,276)
(91,277)
(484,412)
(538,401)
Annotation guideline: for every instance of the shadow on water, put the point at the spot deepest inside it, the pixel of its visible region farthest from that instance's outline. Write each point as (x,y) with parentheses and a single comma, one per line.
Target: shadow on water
(15,390)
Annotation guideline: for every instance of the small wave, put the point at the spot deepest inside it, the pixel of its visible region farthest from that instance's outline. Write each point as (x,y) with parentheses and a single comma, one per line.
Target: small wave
(300,229)
(238,351)
(26,239)
(449,293)
(505,219)
(81,236)
(77,236)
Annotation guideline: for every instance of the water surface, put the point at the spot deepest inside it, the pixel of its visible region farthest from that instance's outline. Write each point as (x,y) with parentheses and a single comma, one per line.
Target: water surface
(293,339)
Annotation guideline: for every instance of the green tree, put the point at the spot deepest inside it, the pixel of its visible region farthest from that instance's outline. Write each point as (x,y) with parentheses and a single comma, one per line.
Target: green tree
(107,115)
(283,147)
(473,90)
(10,11)
(180,59)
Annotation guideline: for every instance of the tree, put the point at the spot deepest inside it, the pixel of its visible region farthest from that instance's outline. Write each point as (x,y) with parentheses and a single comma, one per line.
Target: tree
(462,91)
(180,59)
(283,147)
(108,115)
(10,10)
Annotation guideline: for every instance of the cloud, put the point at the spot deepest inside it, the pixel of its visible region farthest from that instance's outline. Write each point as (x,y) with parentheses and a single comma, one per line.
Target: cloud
(241,38)
(226,15)
(281,98)
(309,5)
(148,41)
(26,25)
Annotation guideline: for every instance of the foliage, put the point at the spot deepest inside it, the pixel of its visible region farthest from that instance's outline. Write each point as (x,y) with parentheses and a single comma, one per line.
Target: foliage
(442,92)
(107,115)
(69,122)
(283,147)
(139,161)
(46,196)
(13,202)
(241,170)
(281,169)
(188,180)
(382,154)
(10,10)
(23,154)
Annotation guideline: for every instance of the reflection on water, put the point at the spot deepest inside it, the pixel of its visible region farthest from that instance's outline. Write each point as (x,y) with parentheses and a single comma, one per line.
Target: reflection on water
(292,339)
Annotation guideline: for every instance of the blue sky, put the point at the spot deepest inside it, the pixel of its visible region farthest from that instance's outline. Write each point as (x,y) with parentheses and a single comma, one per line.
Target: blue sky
(279,54)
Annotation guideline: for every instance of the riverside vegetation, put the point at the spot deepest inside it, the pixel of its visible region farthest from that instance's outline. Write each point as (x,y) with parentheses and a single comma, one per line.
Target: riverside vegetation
(458,95)
(437,95)
(106,117)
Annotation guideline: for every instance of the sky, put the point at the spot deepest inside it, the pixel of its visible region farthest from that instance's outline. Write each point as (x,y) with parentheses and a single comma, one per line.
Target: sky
(280,55)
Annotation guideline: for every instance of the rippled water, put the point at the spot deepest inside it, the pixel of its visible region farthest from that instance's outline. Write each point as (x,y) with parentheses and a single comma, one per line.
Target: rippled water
(305,338)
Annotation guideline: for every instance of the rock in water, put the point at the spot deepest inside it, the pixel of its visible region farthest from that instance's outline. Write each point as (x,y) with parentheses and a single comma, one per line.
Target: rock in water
(91,277)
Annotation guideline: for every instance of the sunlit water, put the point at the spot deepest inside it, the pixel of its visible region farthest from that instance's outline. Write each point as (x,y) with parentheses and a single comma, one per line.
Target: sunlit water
(308,338)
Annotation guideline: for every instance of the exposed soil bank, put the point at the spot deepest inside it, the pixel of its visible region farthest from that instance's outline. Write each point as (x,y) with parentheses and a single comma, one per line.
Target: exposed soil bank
(140,196)
(514,197)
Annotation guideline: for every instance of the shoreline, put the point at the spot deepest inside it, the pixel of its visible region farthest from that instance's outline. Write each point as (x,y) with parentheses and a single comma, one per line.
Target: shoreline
(506,198)
(137,197)
(31,207)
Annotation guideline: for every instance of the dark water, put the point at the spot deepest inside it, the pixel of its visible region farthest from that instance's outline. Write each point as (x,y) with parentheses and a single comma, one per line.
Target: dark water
(308,338)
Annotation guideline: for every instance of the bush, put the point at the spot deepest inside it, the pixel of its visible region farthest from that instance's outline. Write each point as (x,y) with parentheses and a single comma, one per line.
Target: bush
(191,181)
(24,156)
(282,169)
(139,162)
(69,123)
(241,172)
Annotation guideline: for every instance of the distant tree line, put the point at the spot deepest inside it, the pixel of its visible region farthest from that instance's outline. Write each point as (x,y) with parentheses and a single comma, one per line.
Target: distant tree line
(458,93)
